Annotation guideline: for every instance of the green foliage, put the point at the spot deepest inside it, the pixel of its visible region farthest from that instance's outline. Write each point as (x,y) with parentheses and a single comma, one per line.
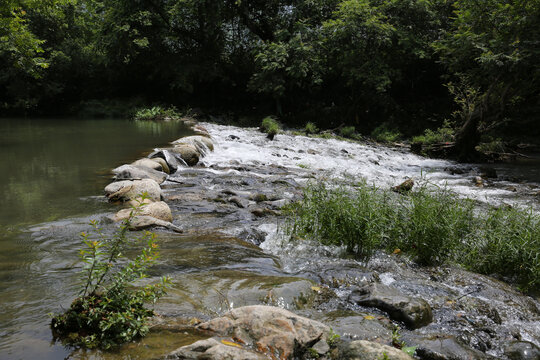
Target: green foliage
(311,128)
(383,133)
(333,338)
(494,146)
(443,134)
(433,227)
(157,113)
(270,126)
(347,132)
(109,311)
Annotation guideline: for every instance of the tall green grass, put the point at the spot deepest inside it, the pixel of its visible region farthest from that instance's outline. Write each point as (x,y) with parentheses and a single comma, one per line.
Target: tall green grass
(433,227)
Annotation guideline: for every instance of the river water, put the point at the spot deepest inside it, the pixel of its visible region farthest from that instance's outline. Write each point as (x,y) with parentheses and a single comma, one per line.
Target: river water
(54,172)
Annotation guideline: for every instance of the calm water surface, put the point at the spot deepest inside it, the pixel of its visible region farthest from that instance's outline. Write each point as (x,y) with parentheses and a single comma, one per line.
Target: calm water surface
(52,175)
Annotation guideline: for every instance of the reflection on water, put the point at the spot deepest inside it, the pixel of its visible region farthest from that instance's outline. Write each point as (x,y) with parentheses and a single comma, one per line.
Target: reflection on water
(54,169)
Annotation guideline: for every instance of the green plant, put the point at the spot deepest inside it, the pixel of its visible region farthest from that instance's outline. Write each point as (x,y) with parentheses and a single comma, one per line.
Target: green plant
(384,134)
(493,146)
(311,128)
(157,113)
(270,126)
(333,338)
(347,132)
(442,135)
(109,311)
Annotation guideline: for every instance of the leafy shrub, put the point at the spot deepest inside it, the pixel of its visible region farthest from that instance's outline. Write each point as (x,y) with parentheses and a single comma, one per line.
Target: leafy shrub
(383,134)
(109,311)
(443,134)
(433,227)
(157,113)
(311,128)
(347,132)
(493,146)
(270,126)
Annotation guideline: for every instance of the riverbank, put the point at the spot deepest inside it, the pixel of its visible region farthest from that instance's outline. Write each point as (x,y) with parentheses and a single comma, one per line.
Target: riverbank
(231,201)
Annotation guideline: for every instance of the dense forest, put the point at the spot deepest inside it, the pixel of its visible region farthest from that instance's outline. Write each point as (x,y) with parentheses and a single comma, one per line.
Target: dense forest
(405,64)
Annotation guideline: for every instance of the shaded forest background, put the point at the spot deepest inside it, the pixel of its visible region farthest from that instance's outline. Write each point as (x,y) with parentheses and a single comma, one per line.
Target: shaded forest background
(411,64)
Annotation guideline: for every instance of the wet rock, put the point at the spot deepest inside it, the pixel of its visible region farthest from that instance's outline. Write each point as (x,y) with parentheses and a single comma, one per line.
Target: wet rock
(145,222)
(270,330)
(163,163)
(313,152)
(201,130)
(413,312)
(132,189)
(202,143)
(356,326)
(132,172)
(478,181)
(522,350)
(188,153)
(442,347)
(233,137)
(159,210)
(258,197)
(455,170)
(404,187)
(278,204)
(262,212)
(149,163)
(253,235)
(488,173)
(174,161)
(212,349)
(367,350)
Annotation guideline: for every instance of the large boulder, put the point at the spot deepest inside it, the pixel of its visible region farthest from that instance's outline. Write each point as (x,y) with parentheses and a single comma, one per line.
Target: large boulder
(142,222)
(269,330)
(149,163)
(133,172)
(522,350)
(163,163)
(202,143)
(132,190)
(174,161)
(159,210)
(368,350)
(446,347)
(188,153)
(414,312)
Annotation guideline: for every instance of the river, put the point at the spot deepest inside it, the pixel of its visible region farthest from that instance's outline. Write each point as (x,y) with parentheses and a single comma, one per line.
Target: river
(54,172)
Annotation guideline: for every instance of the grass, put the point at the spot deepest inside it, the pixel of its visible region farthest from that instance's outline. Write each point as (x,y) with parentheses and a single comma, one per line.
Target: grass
(311,128)
(442,135)
(270,126)
(157,113)
(432,227)
(384,134)
(347,132)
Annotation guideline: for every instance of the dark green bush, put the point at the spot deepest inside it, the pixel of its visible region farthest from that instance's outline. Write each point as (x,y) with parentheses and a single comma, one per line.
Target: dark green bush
(311,128)
(270,126)
(157,113)
(347,132)
(383,133)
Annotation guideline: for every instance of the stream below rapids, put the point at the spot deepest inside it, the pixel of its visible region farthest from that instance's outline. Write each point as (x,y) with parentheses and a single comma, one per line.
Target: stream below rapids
(232,252)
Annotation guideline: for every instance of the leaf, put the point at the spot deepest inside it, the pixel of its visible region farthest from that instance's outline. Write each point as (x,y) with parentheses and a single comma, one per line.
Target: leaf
(369,317)
(230,343)
(409,350)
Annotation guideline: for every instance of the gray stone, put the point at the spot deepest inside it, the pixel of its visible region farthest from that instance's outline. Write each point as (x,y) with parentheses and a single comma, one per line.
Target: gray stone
(159,210)
(240,202)
(163,163)
(174,161)
(367,350)
(212,349)
(133,172)
(149,163)
(443,347)
(145,222)
(188,153)
(202,143)
(414,312)
(133,189)
(522,350)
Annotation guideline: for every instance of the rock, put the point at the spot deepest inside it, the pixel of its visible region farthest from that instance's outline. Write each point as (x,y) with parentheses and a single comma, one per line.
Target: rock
(270,330)
(522,350)
(149,163)
(144,222)
(131,172)
(233,137)
(163,163)
(278,204)
(404,187)
(367,350)
(132,189)
(478,181)
(313,152)
(213,349)
(259,197)
(188,153)
(414,312)
(240,202)
(444,347)
(360,326)
(202,144)
(159,210)
(201,130)
(262,212)
(174,161)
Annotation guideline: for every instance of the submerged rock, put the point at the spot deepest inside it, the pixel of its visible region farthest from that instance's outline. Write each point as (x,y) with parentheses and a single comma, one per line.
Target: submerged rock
(445,347)
(188,153)
(367,350)
(213,349)
(413,312)
(133,172)
(522,350)
(271,331)
(159,210)
(133,189)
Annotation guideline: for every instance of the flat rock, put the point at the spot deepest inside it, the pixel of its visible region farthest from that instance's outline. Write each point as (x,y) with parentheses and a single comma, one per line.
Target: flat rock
(133,189)
(202,143)
(367,350)
(134,172)
(159,210)
(145,222)
(443,347)
(214,349)
(270,330)
(414,312)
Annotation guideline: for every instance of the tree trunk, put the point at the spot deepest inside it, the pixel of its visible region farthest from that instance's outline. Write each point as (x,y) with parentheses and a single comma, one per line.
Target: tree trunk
(467,138)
